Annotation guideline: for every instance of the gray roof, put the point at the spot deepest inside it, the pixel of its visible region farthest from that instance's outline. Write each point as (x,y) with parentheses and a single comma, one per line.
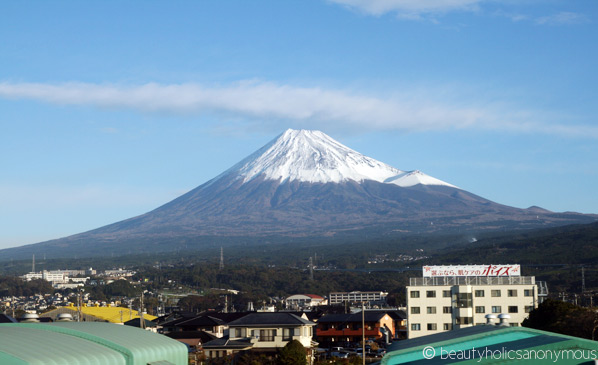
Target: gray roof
(370,316)
(261,319)
(225,343)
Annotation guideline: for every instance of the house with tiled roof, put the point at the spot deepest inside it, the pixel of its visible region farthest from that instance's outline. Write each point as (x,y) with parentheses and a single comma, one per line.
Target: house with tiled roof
(346,329)
(263,332)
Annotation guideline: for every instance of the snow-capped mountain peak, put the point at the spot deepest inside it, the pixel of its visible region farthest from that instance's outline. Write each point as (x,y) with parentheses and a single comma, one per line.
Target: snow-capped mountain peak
(312,156)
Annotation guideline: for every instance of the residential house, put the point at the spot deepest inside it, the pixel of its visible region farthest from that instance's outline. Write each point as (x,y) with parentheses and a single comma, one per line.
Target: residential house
(263,332)
(346,329)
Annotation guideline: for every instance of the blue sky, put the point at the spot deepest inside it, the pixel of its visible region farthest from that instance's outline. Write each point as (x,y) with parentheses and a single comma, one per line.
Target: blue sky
(110,109)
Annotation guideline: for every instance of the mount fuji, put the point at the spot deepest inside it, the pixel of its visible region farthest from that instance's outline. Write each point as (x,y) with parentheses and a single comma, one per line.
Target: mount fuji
(305,184)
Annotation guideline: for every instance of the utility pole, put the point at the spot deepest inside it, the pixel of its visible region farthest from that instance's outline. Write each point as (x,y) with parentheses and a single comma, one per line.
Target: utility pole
(221,258)
(311,269)
(583,280)
(141,321)
(33,264)
(363,332)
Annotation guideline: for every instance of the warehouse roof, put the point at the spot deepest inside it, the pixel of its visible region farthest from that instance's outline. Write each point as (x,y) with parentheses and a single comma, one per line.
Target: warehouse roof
(492,344)
(85,343)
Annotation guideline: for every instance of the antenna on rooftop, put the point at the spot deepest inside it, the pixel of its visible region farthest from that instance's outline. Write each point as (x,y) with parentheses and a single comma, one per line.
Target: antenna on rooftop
(583,280)
(221,258)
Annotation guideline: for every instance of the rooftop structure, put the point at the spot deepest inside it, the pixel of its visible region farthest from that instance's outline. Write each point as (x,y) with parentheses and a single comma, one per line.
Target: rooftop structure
(491,344)
(86,343)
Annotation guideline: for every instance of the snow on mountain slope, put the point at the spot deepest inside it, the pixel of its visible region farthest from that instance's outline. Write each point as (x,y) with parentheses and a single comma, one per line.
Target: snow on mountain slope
(312,156)
(416,177)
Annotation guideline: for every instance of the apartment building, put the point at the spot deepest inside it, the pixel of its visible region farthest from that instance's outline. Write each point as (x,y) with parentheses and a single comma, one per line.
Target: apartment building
(358,297)
(452,297)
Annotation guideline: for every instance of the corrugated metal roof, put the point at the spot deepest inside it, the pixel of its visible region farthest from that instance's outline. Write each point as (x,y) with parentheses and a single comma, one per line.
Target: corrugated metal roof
(434,349)
(87,343)
(31,345)
(110,314)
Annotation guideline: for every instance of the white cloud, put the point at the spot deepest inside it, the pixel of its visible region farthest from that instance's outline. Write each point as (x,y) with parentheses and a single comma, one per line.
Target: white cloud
(305,107)
(562,18)
(409,8)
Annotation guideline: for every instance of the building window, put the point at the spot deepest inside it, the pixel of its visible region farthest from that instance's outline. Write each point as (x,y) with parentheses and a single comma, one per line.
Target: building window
(464,320)
(464,300)
(446,293)
(496,309)
(238,332)
(447,326)
(267,335)
(414,294)
(431,326)
(287,334)
(513,309)
(415,326)
(480,309)
(431,294)
(512,292)
(447,310)
(528,293)
(529,308)
(414,310)
(495,293)
(479,293)
(431,310)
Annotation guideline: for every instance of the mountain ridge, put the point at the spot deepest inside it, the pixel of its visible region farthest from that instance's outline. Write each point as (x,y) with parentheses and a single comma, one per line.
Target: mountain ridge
(304,184)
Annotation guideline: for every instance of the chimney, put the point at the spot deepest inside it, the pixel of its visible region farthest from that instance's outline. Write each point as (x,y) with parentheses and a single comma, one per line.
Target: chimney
(504,319)
(490,318)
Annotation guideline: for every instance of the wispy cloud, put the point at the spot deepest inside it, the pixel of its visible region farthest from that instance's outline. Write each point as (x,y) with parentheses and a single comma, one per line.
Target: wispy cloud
(562,18)
(305,107)
(409,8)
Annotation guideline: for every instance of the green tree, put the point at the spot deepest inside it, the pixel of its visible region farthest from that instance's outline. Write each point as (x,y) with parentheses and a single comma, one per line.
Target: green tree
(293,354)
(561,317)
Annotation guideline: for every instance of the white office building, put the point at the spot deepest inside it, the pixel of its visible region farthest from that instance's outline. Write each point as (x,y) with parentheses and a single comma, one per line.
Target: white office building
(357,297)
(452,297)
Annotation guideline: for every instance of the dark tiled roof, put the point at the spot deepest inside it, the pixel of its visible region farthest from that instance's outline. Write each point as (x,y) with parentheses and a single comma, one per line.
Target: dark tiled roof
(225,343)
(270,319)
(202,321)
(203,336)
(370,316)
(7,319)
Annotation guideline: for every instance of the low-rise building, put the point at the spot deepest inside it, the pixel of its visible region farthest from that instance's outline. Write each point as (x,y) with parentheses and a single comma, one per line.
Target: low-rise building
(372,297)
(304,301)
(346,329)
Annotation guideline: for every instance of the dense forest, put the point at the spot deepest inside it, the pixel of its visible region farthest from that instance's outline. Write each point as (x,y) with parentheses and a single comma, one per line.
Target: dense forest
(555,255)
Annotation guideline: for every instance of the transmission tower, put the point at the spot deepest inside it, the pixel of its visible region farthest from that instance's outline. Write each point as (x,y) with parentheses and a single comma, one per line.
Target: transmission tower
(221,258)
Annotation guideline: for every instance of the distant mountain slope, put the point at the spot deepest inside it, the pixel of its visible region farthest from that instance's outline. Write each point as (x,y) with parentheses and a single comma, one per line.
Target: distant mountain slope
(304,183)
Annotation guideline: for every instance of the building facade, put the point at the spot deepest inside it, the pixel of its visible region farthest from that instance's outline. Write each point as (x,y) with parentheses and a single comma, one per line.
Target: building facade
(357,297)
(437,304)
(304,301)
(346,330)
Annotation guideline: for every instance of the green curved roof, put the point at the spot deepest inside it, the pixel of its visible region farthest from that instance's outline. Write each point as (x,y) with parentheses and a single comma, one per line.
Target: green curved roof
(85,343)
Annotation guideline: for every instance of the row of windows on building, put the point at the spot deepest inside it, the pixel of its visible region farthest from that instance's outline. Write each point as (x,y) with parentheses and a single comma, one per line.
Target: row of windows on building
(477,293)
(269,335)
(448,326)
(478,309)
